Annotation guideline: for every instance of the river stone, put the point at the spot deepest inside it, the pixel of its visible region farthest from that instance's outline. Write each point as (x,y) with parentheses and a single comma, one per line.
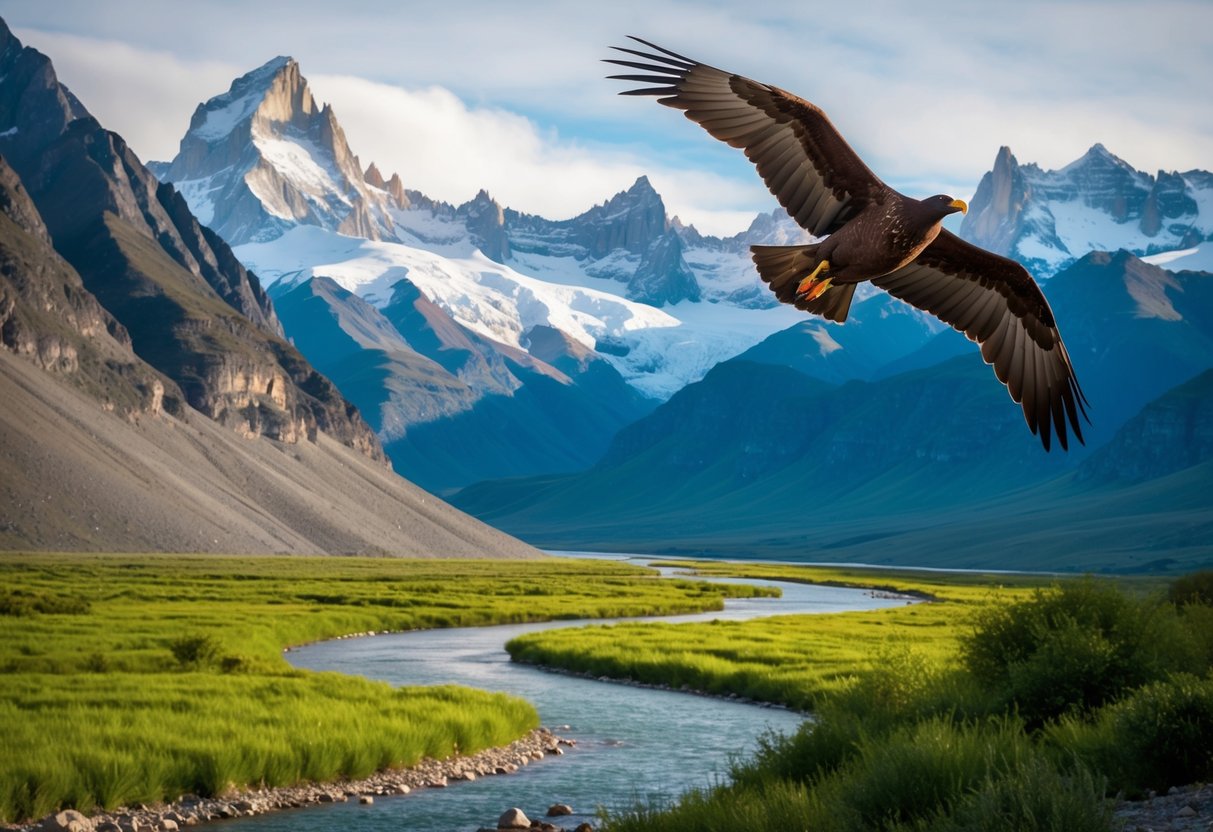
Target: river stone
(558,809)
(366,800)
(584,827)
(513,819)
(68,820)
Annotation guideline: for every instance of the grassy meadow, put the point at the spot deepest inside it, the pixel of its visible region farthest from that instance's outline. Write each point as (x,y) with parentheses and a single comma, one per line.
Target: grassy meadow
(1003,703)
(791,660)
(130,679)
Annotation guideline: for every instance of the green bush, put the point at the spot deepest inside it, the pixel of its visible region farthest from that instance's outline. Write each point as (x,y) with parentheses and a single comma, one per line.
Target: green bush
(1194,588)
(1035,797)
(817,749)
(1075,648)
(1164,734)
(1197,619)
(194,651)
(919,772)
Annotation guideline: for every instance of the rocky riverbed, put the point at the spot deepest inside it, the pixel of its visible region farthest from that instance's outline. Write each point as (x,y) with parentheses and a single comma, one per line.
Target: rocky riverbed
(191,810)
(1183,809)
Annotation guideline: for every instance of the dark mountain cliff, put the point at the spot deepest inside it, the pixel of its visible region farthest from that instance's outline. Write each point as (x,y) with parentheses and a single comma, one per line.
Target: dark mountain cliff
(190,309)
(49,318)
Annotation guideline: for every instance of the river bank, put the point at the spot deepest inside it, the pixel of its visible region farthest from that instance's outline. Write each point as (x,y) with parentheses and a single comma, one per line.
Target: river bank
(428,774)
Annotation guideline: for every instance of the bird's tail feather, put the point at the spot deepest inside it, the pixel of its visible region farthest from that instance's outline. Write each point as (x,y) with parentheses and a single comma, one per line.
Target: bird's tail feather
(783,267)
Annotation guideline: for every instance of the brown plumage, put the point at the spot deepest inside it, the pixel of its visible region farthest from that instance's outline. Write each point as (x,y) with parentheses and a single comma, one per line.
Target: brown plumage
(872,232)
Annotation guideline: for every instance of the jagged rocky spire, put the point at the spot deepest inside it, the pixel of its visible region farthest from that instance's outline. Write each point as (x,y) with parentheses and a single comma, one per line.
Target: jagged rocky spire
(263,157)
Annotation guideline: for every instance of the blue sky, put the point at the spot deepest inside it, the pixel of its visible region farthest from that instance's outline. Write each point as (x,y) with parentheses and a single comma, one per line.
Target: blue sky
(511,97)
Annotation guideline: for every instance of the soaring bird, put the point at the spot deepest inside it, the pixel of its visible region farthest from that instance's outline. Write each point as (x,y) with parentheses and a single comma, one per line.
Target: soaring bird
(871,232)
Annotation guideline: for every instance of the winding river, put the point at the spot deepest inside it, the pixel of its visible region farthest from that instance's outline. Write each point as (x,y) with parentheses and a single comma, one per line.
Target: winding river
(633,744)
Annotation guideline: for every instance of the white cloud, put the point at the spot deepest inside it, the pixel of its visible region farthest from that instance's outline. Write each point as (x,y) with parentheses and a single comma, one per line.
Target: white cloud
(146,96)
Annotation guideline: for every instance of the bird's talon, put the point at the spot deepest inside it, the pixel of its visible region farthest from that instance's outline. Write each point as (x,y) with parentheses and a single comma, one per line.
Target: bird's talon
(812,289)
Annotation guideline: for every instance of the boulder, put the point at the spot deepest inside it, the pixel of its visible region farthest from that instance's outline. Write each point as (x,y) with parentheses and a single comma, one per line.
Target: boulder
(513,819)
(68,820)
(558,809)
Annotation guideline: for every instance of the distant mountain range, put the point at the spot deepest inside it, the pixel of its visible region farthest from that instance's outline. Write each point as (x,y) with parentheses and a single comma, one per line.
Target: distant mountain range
(150,401)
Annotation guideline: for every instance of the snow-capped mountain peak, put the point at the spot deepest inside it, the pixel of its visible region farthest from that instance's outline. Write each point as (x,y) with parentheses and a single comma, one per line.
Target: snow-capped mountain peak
(272,158)
(1048,219)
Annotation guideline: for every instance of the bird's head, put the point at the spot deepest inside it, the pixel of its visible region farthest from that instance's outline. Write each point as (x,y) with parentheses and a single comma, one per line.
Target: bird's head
(944,205)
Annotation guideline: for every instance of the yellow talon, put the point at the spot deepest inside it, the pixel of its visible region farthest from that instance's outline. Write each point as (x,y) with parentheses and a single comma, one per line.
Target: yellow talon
(818,290)
(806,285)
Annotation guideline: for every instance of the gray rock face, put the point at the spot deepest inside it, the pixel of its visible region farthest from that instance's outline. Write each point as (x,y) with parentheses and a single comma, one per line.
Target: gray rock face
(631,220)
(49,318)
(486,221)
(663,275)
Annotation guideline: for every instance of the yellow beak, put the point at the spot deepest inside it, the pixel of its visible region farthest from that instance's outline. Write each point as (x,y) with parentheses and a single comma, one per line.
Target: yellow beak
(961,204)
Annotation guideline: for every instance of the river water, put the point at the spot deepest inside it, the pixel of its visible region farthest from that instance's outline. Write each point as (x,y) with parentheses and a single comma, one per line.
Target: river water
(633,744)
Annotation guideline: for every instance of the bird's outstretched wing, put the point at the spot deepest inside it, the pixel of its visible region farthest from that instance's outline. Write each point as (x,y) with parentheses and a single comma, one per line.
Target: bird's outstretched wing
(800,155)
(997,304)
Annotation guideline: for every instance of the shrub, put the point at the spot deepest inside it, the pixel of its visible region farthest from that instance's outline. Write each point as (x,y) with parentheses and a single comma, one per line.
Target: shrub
(1197,619)
(1193,588)
(1035,797)
(918,772)
(194,650)
(1075,648)
(1164,734)
(818,748)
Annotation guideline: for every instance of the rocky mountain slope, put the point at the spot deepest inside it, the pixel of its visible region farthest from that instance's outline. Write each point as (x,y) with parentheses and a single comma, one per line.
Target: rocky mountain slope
(134,342)
(49,318)
(191,309)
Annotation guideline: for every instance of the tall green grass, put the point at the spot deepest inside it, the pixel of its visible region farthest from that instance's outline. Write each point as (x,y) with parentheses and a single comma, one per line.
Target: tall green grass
(130,679)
